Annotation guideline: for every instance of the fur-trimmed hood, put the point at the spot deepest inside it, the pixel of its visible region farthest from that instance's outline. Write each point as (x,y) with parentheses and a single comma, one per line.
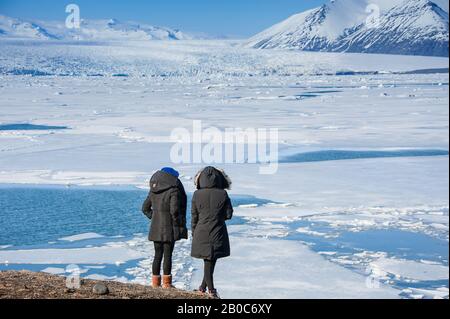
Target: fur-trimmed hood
(211,177)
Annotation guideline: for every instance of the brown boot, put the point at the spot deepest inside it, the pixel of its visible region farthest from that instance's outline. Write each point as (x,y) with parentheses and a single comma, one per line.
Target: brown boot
(156,281)
(214,294)
(167,282)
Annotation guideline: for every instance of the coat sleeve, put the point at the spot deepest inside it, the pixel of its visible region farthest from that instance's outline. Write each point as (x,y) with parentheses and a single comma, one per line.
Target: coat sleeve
(228,209)
(147,207)
(175,204)
(183,200)
(194,214)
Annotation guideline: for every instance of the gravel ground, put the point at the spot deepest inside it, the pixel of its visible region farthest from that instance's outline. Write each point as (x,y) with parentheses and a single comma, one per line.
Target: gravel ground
(32,285)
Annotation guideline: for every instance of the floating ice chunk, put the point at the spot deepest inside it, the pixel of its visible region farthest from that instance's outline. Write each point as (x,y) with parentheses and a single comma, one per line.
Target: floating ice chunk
(95,267)
(439,226)
(410,269)
(420,293)
(263,230)
(279,205)
(81,237)
(429,262)
(327,253)
(248,206)
(94,255)
(308,231)
(54,270)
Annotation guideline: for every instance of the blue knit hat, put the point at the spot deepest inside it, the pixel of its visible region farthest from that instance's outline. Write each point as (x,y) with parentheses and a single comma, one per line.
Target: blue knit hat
(171,171)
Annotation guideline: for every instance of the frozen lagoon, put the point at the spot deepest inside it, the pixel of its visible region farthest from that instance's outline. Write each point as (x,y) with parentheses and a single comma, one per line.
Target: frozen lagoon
(119,133)
(101,229)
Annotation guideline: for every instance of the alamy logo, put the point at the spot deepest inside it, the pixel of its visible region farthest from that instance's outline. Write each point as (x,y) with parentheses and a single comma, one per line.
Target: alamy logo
(73,280)
(372,280)
(373,20)
(73,19)
(232,146)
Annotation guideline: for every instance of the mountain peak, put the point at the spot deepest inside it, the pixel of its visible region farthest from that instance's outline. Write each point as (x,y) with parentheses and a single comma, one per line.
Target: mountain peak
(113,21)
(23,29)
(417,27)
(96,30)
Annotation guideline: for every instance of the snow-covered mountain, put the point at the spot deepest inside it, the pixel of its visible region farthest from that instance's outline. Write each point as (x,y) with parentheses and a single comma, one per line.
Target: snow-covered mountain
(15,28)
(415,27)
(98,30)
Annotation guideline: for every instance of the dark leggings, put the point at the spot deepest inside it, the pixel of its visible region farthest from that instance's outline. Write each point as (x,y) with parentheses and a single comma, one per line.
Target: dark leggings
(166,250)
(208,276)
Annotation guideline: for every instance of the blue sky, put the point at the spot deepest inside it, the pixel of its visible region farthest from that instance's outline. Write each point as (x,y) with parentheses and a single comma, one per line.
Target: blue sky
(218,17)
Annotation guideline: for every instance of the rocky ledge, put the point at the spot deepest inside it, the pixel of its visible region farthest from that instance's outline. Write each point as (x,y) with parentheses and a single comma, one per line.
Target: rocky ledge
(33,285)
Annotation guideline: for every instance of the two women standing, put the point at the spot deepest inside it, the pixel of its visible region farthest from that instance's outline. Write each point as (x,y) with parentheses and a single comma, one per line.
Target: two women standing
(211,207)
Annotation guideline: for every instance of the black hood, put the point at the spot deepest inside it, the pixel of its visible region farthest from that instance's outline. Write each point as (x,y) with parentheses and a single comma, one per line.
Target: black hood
(162,181)
(211,177)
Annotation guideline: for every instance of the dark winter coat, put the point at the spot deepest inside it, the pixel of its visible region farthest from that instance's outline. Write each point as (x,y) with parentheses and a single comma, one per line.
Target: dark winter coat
(211,207)
(166,207)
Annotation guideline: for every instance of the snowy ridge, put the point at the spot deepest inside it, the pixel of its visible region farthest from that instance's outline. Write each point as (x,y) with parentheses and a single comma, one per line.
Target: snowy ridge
(99,30)
(10,27)
(415,27)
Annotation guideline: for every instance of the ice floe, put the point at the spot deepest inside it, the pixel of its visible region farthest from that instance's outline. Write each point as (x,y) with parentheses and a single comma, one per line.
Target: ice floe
(409,269)
(81,237)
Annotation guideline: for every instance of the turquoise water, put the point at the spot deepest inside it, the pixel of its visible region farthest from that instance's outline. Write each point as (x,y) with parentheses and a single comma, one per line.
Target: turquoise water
(29,127)
(33,217)
(335,155)
(395,242)
(37,215)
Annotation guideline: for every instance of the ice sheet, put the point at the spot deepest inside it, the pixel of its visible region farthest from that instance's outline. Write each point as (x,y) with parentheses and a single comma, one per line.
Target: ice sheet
(119,135)
(269,268)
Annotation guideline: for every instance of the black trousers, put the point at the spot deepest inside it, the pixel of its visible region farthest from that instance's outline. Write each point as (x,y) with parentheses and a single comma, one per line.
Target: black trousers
(208,275)
(163,250)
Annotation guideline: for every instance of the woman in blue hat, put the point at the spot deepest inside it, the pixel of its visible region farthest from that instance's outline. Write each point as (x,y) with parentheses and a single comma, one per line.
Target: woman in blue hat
(165,206)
